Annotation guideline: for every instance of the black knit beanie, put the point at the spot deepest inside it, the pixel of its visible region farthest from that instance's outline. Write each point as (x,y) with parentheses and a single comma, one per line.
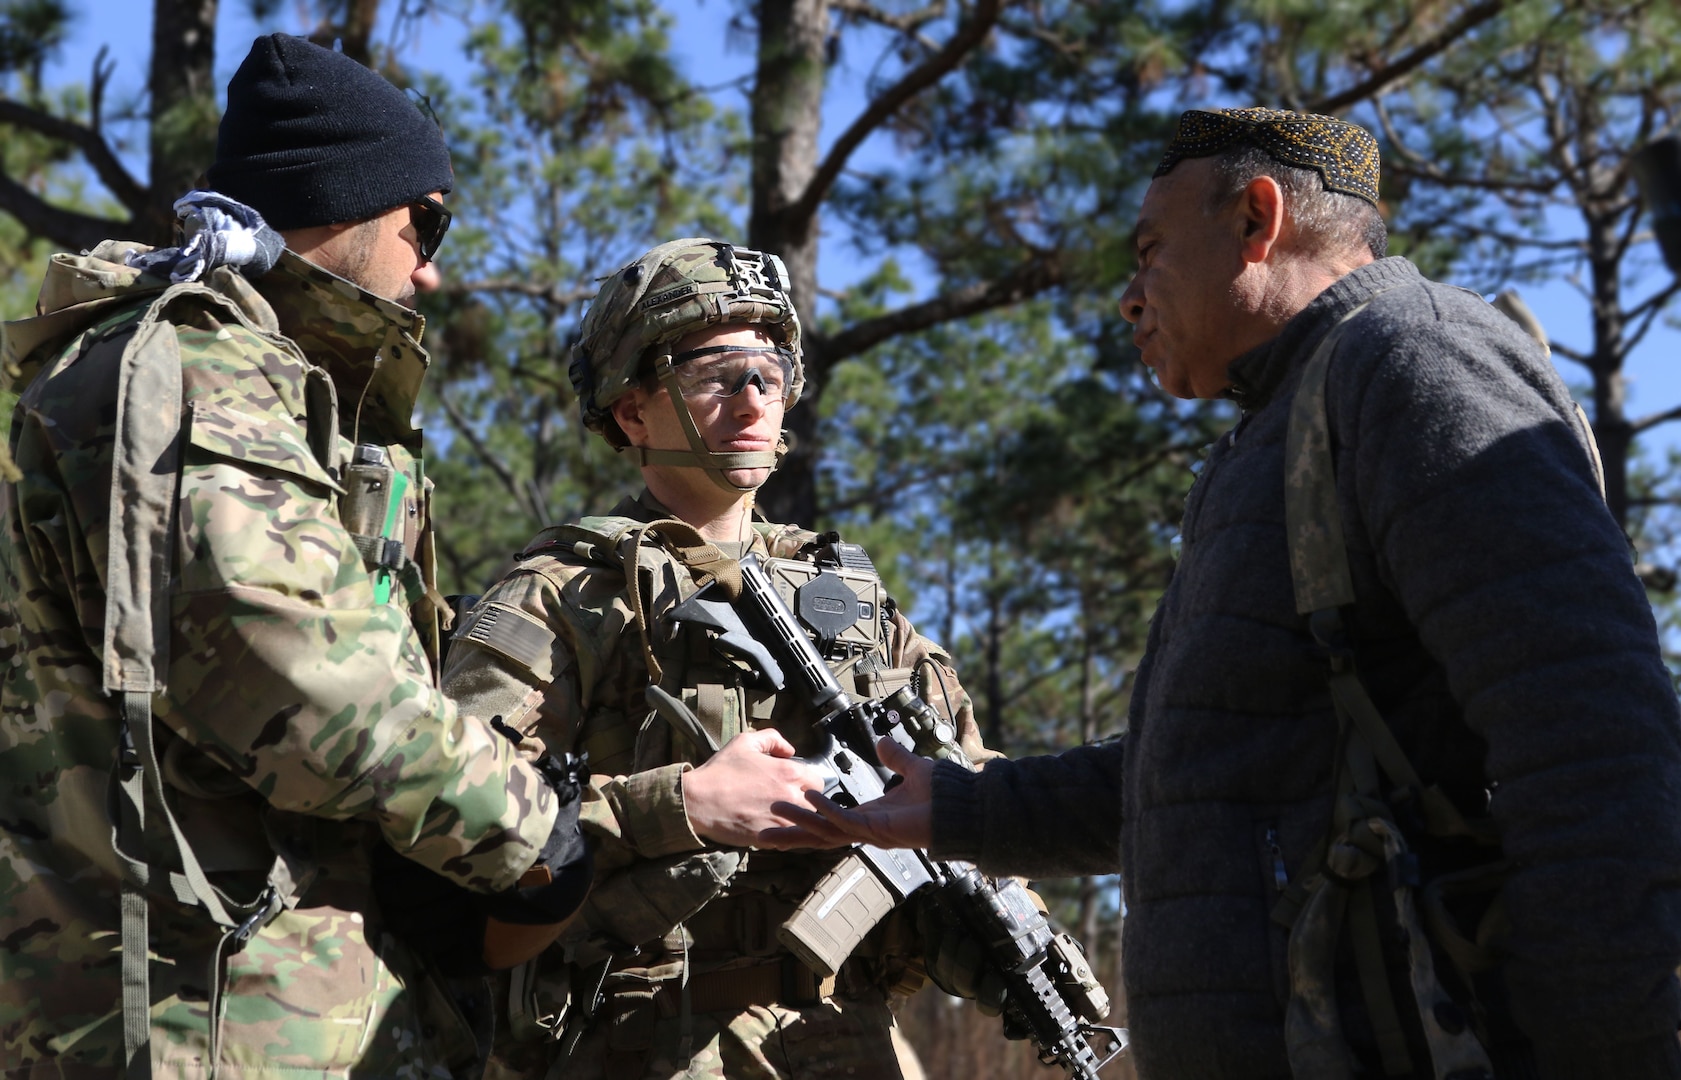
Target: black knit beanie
(311,137)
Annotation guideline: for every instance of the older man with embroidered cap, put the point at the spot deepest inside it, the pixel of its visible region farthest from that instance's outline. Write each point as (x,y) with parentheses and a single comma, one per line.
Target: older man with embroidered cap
(1400,794)
(220,728)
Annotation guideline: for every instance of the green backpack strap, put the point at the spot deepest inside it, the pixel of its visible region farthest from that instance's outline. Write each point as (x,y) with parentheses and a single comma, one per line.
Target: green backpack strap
(149,434)
(1336,888)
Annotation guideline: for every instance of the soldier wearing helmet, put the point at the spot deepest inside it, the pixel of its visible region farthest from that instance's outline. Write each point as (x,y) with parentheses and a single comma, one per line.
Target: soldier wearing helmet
(687,359)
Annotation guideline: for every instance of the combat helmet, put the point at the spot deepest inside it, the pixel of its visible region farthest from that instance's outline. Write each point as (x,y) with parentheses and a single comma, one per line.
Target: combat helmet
(667,294)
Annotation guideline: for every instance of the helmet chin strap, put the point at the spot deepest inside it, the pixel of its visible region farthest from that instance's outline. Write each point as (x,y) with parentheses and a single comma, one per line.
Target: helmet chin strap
(698,456)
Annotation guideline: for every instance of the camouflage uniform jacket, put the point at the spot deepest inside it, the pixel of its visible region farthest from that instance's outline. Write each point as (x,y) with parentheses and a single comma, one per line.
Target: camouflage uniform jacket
(300,713)
(584,689)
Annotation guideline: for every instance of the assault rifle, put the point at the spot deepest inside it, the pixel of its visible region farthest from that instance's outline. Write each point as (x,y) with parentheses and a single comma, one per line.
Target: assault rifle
(1052,996)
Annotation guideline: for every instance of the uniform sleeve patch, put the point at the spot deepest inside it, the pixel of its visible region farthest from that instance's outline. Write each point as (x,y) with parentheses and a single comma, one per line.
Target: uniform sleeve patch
(513,634)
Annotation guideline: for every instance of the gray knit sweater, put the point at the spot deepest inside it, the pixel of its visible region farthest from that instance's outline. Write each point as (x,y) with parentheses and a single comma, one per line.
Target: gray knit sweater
(1500,630)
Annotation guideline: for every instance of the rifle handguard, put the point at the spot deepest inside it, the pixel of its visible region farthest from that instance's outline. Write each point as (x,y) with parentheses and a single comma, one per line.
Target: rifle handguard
(834,917)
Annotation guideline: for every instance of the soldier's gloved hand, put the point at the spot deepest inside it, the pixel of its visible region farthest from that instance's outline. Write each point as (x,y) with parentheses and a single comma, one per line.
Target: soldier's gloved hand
(522,921)
(957,960)
(469,933)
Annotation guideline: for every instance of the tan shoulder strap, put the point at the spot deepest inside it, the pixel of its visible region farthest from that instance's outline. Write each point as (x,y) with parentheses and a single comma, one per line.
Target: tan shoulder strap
(1320,572)
(1334,888)
(146,466)
(704,561)
(1312,521)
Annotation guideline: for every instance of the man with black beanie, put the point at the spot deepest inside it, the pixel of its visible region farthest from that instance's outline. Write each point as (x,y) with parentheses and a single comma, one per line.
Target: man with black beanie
(220,728)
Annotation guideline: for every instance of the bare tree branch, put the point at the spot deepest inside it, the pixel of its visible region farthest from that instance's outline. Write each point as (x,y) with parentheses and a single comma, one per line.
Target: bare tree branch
(1629,232)
(1646,423)
(1656,300)
(1569,353)
(492,462)
(555,377)
(1068,49)
(1645,313)
(965,41)
(907,23)
(118,180)
(551,293)
(1523,240)
(1425,171)
(1384,77)
(66,228)
(102,69)
(1028,279)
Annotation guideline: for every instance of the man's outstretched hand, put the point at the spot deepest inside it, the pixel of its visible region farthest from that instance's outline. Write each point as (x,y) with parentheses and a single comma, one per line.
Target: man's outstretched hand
(902,818)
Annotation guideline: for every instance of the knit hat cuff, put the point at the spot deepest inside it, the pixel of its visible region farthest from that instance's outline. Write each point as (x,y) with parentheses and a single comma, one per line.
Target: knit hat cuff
(300,194)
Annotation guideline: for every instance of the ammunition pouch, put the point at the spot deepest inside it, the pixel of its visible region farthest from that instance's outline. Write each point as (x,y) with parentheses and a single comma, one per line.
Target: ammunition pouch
(647,900)
(1366,892)
(781,981)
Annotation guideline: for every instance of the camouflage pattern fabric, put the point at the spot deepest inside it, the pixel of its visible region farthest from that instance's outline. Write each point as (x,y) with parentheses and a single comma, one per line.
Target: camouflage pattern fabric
(300,716)
(652,870)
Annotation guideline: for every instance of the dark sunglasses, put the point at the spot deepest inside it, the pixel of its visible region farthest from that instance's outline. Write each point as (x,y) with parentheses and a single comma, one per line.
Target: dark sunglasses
(431,221)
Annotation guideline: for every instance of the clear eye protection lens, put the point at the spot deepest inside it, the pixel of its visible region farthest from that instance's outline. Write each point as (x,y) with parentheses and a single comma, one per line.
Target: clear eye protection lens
(723,371)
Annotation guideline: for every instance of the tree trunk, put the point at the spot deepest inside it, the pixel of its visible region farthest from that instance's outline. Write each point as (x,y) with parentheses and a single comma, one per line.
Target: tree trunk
(786,116)
(1611,426)
(1616,440)
(992,725)
(350,26)
(1088,893)
(184,115)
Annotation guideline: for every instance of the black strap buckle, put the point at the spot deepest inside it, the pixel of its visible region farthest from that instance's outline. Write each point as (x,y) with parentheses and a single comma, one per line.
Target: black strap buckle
(128,758)
(268,906)
(1331,635)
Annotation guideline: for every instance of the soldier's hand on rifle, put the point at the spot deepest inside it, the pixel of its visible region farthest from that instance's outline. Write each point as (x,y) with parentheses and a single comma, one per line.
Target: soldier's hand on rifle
(903,818)
(747,788)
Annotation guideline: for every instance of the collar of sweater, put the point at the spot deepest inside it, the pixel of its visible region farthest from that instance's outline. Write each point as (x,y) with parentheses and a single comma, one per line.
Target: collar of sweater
(1258,373)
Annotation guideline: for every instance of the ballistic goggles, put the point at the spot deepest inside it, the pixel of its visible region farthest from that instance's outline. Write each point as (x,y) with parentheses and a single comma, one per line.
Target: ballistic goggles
(723,371)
